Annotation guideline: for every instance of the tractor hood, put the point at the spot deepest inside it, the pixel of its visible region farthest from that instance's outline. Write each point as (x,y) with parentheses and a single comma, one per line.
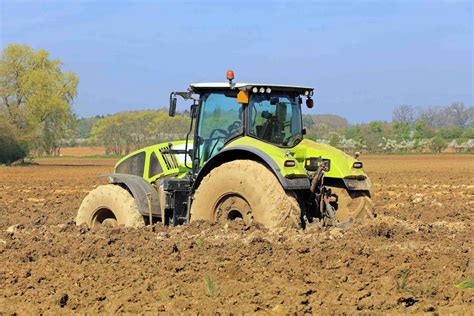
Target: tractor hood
(341,164)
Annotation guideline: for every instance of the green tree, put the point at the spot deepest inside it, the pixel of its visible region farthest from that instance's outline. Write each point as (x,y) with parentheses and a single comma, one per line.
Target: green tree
(437,144)
(112,133)
(55,128)
(84,126)
(401,130)
(36,95)
(334,141)
(450,132)
(468,133)
(421,130)
(373,134)
(376,127)
(355,133)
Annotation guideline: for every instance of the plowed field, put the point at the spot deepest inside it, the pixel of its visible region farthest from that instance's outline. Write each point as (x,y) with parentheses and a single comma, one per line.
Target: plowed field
(408,260)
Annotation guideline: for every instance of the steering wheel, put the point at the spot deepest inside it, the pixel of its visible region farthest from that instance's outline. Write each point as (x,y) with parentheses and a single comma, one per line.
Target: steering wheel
(234,127)
(218,130)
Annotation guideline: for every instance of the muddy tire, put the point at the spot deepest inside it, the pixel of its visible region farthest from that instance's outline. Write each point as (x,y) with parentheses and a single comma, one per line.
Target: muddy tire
(246,190)
(353,206)
(109,205)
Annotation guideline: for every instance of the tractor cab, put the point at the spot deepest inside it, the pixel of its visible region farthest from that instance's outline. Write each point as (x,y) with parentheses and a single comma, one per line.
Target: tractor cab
(227,111)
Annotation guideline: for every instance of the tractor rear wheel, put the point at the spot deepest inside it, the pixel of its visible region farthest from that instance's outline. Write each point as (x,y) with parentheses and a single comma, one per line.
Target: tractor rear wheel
(246,190)
(109,205)
(353,206)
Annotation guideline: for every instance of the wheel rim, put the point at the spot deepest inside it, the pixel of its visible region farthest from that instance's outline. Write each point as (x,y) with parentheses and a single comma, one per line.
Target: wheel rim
(104,216)
(231,207)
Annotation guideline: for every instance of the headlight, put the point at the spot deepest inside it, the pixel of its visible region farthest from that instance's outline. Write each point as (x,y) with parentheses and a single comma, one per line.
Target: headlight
(290,163)
(357,165)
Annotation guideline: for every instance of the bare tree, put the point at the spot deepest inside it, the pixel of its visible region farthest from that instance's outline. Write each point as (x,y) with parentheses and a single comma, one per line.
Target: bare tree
(455,114)
(432,116)
(404,113)
(470,116)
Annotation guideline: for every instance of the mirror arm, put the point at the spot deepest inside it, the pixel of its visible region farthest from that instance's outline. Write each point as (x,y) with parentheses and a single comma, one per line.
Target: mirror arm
(187,95)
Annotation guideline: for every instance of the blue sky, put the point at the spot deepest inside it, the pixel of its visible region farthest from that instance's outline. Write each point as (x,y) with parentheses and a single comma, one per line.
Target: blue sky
(363,57)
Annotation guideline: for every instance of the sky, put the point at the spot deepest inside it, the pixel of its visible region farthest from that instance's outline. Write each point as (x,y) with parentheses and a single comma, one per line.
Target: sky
(363,58)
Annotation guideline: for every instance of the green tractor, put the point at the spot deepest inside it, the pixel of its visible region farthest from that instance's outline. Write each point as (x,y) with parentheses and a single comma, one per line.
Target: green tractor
(244,158)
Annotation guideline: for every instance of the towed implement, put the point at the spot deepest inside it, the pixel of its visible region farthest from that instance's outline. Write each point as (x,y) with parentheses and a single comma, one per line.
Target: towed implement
(244,157)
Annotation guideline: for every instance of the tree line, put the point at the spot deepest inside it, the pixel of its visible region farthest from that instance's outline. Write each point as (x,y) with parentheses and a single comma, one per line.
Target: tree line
(124,132)
(411,129)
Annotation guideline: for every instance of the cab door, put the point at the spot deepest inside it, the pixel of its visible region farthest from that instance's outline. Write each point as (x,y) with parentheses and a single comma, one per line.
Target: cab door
(220,119)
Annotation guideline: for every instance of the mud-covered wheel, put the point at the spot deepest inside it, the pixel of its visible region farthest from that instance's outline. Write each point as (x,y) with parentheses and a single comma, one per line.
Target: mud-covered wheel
(353,206)
(109,205)
(246,190)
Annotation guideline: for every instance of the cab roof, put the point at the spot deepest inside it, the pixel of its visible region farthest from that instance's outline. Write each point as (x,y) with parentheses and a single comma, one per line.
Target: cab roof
(196,87)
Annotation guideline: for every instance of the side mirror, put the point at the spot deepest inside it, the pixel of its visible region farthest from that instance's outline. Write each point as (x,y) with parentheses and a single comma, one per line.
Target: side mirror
(303,131)
(309,103)
(172,109)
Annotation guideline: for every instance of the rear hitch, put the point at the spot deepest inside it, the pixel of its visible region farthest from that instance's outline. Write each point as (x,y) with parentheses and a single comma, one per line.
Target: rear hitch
(324,197)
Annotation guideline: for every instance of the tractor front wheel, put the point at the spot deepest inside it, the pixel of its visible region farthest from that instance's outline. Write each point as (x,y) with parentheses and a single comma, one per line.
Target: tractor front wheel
(353,206)
(246,190)
(109,205)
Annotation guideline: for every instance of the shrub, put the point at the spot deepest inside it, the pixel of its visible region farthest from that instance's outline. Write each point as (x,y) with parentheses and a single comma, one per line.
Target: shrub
(438,144)
(11,148)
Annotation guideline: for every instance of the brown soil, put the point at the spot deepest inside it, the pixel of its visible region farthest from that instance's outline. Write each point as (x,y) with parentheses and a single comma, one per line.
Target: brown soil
(407,260)
(83,151)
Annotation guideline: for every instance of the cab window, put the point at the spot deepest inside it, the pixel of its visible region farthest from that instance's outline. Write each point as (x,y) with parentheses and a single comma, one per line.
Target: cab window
(155,167)
(220,120)
(134,165)
(276,119)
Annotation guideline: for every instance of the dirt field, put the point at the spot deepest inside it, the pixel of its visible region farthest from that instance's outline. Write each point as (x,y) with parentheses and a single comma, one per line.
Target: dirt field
(82,151)
(408,260)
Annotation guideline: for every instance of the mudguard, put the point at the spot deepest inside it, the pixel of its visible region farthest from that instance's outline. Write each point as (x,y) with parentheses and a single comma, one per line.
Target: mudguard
(358,184)
(248,152)
(139,188)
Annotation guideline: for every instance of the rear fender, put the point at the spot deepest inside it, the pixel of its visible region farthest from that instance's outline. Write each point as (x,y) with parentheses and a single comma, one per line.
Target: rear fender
(139,188)
(251,153)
